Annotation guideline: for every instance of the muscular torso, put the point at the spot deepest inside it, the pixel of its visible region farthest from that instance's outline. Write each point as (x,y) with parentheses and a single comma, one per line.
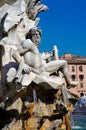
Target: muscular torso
(32,59)
(32,56)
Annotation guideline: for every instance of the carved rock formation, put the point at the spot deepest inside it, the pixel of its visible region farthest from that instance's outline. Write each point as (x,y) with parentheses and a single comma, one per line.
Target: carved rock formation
(38,102)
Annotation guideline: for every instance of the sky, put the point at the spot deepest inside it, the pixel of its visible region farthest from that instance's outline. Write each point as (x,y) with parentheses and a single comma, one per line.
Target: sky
(64,25)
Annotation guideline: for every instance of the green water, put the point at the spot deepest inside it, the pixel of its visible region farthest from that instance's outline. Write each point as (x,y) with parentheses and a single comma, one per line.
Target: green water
(79,123)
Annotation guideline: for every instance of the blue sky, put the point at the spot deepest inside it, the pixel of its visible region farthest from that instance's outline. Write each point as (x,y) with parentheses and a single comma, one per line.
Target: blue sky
(64,25)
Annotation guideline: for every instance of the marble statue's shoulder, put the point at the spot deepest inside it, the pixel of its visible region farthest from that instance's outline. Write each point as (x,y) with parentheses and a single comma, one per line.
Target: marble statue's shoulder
(27,43)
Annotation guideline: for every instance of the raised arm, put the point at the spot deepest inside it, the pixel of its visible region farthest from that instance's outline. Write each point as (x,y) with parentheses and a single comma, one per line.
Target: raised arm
(55,52)
(45,55)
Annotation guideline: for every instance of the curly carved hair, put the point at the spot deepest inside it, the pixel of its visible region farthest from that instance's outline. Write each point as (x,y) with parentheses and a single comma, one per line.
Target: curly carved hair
(32,32)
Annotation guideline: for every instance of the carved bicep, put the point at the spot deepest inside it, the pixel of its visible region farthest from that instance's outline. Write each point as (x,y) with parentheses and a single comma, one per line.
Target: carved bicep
(27,44)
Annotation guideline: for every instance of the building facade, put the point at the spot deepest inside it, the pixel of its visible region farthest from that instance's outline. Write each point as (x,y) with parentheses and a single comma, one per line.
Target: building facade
(77,70)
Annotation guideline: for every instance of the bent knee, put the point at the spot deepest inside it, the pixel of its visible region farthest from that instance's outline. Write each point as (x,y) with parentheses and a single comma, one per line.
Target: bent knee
(64,62)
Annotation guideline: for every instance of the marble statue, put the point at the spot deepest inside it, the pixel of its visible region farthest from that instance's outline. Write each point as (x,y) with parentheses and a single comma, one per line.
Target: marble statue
(32,61)
(33,94)
(15,22)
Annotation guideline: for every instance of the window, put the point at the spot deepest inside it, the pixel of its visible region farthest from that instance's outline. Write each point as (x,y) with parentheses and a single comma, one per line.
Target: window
(81,77)
(81,94)
(73,77)
(80,68)
(81,85)
(73,68)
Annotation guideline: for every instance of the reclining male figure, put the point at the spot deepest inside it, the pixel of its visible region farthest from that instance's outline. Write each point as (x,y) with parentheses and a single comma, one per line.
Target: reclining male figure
(33,61)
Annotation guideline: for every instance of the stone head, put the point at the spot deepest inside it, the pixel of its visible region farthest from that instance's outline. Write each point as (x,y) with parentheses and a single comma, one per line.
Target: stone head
(35,35)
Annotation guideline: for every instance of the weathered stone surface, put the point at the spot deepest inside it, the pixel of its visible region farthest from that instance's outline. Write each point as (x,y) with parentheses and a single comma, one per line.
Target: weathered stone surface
(45,81)
(2,2)
(17,105)
(31,99)
(40,109)
(46,125)
(15,125)
(32,124)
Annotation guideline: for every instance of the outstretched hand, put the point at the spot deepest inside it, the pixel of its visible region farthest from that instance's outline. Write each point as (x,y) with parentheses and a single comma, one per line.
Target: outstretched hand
(26,68)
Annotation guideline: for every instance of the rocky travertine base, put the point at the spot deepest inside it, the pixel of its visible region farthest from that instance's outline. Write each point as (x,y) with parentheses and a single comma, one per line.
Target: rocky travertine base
(29,101)
(35,110)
